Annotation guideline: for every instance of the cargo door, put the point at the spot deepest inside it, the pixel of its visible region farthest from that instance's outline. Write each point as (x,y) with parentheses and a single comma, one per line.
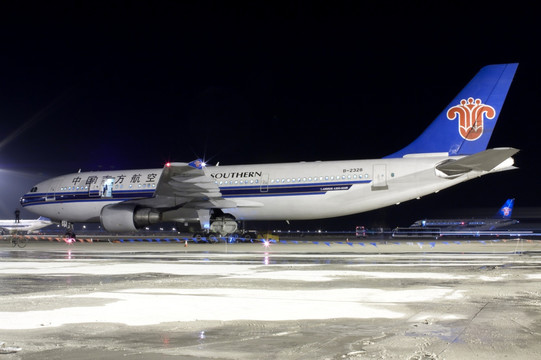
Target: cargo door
(379,181)
(264,186)
(51,191)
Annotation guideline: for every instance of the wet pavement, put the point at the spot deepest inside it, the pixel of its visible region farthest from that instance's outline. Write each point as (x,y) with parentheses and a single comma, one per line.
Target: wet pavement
(292,300)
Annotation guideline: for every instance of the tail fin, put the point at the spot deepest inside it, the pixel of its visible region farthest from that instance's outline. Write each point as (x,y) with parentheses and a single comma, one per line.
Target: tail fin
(506,210)
(464,127)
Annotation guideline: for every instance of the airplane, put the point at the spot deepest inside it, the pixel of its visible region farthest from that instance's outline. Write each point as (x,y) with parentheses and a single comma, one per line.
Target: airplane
(452,150)
(501,219)
(24,226)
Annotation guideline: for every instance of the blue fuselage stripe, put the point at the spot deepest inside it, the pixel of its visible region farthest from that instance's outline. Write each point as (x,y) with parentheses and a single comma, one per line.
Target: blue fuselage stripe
(226,191)
(84,196)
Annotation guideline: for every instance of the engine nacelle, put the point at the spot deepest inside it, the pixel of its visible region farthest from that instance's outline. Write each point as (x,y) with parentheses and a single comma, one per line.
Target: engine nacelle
(122,217)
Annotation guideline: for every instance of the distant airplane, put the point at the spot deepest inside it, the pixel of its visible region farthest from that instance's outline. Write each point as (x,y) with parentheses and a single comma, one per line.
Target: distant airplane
(24,226)
(502,218)
(450,151)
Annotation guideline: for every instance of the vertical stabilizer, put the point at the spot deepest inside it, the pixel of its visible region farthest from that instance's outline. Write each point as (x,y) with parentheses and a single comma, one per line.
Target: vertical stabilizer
(506,210)
(464,127)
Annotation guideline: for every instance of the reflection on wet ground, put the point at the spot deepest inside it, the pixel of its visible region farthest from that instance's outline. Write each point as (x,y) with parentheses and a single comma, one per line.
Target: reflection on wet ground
(299,301)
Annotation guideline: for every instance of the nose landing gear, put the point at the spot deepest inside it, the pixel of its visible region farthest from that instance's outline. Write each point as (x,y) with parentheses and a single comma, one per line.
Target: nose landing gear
(70,233)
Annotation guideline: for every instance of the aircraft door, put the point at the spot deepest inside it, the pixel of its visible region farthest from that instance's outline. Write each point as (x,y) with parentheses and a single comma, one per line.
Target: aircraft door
(93,186)
(51,191)
(100,189)
(106,190)
(264,186)
(379,176)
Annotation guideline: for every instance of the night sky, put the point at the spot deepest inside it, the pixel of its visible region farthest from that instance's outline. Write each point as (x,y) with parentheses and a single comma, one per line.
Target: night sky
(116,85)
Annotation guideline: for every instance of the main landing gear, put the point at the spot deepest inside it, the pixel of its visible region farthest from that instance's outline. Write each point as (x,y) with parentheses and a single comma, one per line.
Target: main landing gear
(224,226)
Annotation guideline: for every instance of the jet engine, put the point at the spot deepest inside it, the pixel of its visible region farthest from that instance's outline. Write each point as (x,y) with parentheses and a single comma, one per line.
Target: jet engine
(119,218)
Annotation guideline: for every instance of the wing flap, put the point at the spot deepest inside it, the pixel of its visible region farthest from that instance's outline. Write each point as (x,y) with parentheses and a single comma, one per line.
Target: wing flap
(187,184)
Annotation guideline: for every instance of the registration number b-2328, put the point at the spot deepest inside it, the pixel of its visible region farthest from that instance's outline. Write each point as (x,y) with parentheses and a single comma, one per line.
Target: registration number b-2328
(352,170)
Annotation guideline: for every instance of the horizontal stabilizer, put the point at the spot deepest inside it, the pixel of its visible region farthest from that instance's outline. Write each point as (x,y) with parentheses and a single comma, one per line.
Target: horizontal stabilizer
(482,161)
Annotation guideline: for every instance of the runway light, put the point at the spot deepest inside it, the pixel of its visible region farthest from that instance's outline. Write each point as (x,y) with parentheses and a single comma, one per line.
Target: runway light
(69,240)
(266,243)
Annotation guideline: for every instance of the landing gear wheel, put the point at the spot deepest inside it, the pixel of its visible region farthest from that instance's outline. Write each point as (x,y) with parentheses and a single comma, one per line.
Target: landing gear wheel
(197,237)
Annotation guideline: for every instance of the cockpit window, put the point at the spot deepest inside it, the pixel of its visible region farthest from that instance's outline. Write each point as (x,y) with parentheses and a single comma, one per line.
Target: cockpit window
(34,189)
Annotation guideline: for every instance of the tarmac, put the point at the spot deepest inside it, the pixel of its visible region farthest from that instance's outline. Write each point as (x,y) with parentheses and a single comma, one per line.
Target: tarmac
(314,299)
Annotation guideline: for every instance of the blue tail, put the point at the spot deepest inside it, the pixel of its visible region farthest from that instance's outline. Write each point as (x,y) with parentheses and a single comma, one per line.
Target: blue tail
(506,210)
(464,127)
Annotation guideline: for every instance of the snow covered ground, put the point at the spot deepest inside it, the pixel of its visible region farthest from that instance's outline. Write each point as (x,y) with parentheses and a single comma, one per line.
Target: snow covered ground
(295,301)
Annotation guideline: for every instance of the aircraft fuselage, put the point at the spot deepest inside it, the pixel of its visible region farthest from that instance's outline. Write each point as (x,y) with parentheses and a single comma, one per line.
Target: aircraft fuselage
(310,190)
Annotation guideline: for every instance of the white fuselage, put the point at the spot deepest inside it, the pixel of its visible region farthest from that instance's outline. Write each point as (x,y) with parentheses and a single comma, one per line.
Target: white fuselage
(288,191)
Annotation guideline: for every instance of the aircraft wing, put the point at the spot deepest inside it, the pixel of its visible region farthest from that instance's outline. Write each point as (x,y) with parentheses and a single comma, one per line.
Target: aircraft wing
(25,225)
(487,160)
(187,185)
